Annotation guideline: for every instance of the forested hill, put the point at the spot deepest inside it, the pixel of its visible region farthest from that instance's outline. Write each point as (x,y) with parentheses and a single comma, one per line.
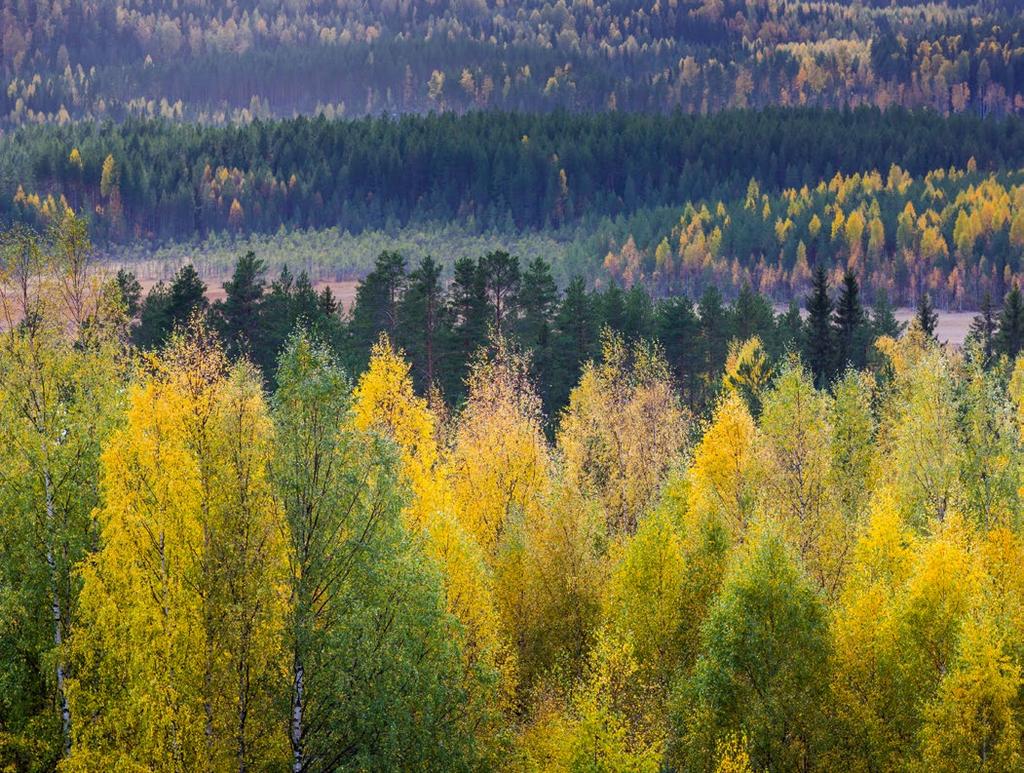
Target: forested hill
(217,62)
(157,180)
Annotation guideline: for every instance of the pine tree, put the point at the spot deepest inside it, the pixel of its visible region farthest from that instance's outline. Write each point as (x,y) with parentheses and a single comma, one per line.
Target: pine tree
(168,307)
(425,332)
(375,309)
(239,317)
(502,278)
(819,349)
(187,297)
(129,291)
(849,321)
(471,313)
(1010,338)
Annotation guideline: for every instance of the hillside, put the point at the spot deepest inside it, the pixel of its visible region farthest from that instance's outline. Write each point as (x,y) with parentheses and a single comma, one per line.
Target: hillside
(216,62)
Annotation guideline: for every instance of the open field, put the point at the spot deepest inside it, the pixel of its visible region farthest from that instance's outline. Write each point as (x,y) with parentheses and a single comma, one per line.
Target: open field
(952,328)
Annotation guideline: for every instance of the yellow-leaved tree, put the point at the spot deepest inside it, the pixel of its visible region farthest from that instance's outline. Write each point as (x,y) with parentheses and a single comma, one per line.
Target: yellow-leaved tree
(498,465)
(723,468)
(623,430)
(384,401)
(179,649)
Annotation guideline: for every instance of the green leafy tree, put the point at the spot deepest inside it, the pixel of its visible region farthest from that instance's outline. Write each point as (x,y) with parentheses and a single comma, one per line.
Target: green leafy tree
(376,674)
(763,671)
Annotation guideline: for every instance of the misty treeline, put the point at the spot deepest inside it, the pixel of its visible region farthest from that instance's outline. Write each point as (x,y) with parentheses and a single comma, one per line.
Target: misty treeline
(196,60)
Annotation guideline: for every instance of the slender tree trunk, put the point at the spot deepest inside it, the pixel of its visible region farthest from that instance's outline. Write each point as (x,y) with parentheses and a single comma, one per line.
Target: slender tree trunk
(298,728)
(58,617)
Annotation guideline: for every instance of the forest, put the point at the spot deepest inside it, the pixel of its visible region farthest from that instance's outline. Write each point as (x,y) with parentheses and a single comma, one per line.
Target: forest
(222,553)
(542,386)
(214,62)
(915,202)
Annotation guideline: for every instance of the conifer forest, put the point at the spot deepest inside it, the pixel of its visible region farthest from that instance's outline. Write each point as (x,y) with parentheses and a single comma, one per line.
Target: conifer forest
(543,386)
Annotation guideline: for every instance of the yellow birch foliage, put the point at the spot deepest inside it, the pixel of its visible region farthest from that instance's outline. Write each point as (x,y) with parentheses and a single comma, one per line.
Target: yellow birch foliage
(973,722)
(384,400)
(179,650)
(723,466)
(498,464)
(795,460)
(623,430)
(924,451)
(866,682)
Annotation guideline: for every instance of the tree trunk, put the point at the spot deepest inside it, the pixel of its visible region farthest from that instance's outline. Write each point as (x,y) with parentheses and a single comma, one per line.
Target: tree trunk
(298,729)
(58,618)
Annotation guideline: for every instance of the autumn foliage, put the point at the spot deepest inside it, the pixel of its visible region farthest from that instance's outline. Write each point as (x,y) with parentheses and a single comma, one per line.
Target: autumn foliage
(197,573)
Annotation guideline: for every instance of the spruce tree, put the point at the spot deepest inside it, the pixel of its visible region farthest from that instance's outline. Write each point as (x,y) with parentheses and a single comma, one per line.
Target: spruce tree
(715,333)
(883,319)
(752,315)
(539,301)
(790,329)
(850,328)
(678,330)
(818,345)
(638,314)
(926,317)
(1010,338)
(611,308)
(375,310)
(984,326)
(575,336)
